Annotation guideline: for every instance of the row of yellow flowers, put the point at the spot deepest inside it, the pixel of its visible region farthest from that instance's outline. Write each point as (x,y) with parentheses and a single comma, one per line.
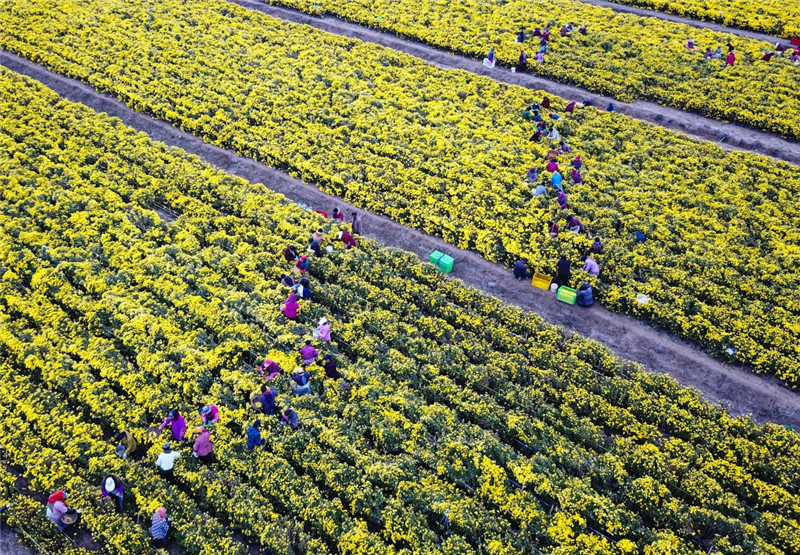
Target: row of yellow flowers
(453,403)
(774,17)
(446,152)
(623,55)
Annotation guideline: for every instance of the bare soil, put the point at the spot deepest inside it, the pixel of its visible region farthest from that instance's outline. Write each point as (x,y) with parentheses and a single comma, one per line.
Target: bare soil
(729,136)
(686,21)
(735,387)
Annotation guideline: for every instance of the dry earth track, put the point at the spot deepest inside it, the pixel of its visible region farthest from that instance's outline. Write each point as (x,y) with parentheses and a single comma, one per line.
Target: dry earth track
(735,387)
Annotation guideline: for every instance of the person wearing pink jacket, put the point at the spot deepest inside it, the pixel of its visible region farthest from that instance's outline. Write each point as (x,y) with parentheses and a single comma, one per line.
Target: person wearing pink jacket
(202,445)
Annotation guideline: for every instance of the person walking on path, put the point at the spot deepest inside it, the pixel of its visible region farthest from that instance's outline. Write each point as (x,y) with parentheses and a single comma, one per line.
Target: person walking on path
(113,487)
(128,443)
(177,423)
(308,353)
(563,271)
(159,528)
(203,448)
(254,438)
(166,463)
(356,224)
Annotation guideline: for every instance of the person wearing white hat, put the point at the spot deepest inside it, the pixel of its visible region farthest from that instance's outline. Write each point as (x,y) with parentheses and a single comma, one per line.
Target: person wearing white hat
(166,462)
(323,331)
(113,487)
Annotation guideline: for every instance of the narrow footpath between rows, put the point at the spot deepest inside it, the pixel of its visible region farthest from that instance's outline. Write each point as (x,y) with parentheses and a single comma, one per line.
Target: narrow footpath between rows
(624,8)
(735,387)
(727,135)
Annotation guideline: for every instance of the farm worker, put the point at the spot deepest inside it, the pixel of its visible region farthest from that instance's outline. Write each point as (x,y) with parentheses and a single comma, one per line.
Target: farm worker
(577,179)
(290,253)
(300,382)
(577,163)
(521,269)
(546,103)
(563,272)
(269,369)
(203,448)
(690,45)
(731,59)
(159,528)
(290,307)
(287,281)
(562,199)
(556,180)
(541,125)
(166,462)
(546,37)
(532,174)
(113,487)
(290,419)
(639,237)
(347,239)
(178,424)
(537,136)
(57,509)
(767,55)
(303,264)
(717,53)
(539,57)
(597,246)
(583,30)
(209,414)
(356,223)
(551,155)
(564,30)
(490,57)
(323,331)
(555,117)
(526,114)
(267,399)
(570,107)
(303,290)
(585,297)
(126,440)
(254,435)
(565,149)
(709,54)
(315,246)
(308,353)
(611,107)
(337,215)
(552,165)
(329,365)
(590,265)
(779,49)
(795,57)
(574,224)
(521,37)
(552,229)
(539,191)
(318,236)
(537,32)
(523,58)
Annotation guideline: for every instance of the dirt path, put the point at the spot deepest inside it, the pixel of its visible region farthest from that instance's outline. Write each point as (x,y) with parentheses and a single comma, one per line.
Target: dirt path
(624,8)
(735,387)
(727,135)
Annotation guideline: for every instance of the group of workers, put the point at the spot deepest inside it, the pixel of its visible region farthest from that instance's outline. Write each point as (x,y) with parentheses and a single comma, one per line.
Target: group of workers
(793,55)
(543,36)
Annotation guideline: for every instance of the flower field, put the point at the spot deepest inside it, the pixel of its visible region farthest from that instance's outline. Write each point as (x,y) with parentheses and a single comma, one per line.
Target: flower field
(445,152)
(454,404)
(623,55)
(774,17)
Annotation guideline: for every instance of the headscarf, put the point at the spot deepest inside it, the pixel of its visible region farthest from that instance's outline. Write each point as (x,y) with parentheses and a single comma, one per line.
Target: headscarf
(292,298)
(60,495)
(161,514)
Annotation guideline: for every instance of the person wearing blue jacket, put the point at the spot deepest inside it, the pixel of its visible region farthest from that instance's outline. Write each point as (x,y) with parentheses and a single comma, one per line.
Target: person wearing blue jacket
(267,399)
(254,435)
(521,269)
(585,297)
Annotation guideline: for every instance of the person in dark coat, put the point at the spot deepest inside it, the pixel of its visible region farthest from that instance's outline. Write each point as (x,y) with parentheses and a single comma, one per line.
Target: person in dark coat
(585,297)
(315,246)
(329,365)
(290,253)
(563,270)
(267,399)
(521,269)
(254,435)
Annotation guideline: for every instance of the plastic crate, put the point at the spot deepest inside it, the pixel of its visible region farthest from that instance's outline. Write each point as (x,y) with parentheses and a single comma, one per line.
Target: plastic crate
(542,281)
(567,294)
(442,261)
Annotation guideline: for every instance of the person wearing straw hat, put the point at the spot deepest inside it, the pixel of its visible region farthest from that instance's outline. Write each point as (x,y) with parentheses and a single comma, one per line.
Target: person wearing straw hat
(113,487)
(347,239)
(300,382)
(159,528)
(203,449)
(166,462)
(323,331)
(176,422)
